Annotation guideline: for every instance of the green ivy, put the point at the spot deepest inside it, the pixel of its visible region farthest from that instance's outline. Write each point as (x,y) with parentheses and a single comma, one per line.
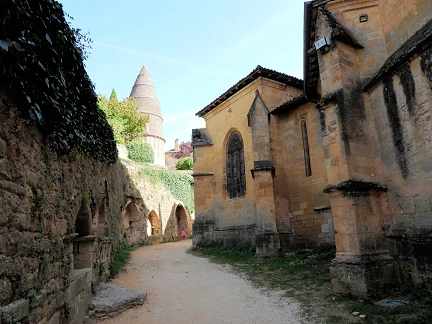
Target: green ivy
(140,152)
(185,163)
(181,185)
(42,68)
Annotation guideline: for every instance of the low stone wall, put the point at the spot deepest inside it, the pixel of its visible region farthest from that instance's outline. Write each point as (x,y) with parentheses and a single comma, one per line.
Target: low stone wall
(205,232)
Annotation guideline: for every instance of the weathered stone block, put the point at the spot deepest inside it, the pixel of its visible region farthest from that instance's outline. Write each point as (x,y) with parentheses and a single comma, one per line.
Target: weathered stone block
(362,275)
(423,219)
(78,282)
(267,244)
(15,311)
(326,228)
(422,204)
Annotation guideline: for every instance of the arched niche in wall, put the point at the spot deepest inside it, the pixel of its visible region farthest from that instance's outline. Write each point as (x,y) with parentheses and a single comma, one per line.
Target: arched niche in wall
(83,222)
(131,217)
(181,218)
(83,244)
(155,224)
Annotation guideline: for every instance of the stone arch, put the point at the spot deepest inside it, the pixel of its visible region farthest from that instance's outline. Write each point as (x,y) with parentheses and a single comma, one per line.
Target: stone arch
(155,224)
(83,222)
(131,217)
(83,244)
(181,217)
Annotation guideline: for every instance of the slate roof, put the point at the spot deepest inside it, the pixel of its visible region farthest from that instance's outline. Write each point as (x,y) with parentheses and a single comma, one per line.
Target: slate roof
(259,71)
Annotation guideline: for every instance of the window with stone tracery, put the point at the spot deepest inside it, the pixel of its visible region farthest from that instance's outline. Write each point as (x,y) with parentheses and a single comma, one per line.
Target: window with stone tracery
(235,167)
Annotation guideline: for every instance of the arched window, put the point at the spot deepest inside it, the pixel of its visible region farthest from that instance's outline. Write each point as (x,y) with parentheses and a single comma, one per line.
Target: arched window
(235,167)
(306,149)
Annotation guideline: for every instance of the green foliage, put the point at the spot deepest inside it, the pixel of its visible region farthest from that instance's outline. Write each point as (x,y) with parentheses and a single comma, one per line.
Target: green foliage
(85,199)
(140,152)
(185,163)
(41,65)
(113,95)
(123,117)
(179,184)
(119,256)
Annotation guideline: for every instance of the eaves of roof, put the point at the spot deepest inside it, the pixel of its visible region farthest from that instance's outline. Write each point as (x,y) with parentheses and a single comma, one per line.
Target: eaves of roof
(417,43)
(259,71)
(339,32)
(290,105)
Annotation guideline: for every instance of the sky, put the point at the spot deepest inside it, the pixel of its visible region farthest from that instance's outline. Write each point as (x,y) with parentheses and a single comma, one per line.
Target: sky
(194,49)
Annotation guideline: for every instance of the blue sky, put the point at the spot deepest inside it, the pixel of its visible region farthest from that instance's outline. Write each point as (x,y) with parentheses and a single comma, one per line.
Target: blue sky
(194,49)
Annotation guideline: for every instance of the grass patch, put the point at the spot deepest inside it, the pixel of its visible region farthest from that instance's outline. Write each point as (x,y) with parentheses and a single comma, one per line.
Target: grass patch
(119,256)
(305,277)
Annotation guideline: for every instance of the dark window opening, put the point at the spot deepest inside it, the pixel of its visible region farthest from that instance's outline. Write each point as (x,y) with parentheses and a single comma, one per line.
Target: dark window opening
(235,168)
(306,149)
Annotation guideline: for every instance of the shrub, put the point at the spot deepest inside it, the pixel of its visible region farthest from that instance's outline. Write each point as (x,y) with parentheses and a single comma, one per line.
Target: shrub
(185,163)
(119,256)
(140,152)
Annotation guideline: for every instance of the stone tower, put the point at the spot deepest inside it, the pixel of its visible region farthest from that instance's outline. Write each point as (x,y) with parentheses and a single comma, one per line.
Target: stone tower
(148,104)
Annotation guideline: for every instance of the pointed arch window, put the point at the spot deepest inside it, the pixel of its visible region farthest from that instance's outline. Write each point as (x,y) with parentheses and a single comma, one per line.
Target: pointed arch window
(306,149)
(235,167)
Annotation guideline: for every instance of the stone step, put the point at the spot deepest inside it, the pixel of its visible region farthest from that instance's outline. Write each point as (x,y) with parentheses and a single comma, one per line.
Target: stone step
(110,300)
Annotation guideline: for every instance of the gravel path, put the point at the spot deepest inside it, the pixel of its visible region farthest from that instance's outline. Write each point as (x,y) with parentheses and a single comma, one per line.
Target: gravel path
(183,288)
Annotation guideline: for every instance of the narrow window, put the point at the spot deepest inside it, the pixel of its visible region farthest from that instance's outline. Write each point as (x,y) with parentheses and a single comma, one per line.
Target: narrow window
(306,149)
(235,168)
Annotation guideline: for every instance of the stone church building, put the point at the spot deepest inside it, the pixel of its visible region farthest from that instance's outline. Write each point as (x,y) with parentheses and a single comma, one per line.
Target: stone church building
(342,157)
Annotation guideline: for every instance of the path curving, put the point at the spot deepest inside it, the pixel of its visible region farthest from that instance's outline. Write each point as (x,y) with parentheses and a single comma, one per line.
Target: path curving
(183,288)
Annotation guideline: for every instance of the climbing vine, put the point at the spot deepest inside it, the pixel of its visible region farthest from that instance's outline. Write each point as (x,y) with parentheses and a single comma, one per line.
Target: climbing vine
(41,67)
(179,184)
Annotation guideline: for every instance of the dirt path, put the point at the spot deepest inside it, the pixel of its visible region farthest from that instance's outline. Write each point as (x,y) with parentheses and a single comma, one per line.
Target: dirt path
(183,288)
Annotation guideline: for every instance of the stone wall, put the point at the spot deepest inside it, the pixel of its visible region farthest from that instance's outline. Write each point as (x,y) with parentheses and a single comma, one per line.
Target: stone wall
(60,217)
(377,97)
(406,151)
(298,194)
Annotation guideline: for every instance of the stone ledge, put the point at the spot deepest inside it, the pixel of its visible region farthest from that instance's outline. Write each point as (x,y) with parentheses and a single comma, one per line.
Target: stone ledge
(350,186)
(200,137)
(321,208)
(110,300)
(14,311)
(202,174)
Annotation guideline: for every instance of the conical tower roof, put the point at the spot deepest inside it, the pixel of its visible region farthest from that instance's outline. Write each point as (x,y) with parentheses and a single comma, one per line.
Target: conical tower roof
(145,94)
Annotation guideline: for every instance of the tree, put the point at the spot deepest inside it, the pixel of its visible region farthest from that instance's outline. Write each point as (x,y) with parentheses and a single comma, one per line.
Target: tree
(185,149)
(123,117)
(113,95)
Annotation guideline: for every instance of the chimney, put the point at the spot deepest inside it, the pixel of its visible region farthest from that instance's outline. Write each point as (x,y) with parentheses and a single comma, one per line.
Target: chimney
(176,146)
